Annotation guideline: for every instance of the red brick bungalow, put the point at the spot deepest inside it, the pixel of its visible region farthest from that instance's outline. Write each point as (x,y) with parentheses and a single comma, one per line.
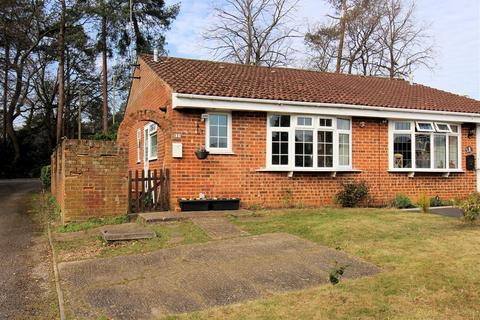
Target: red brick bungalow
(278,135)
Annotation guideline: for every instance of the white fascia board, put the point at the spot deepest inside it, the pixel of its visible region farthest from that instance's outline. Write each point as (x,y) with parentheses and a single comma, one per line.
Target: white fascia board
(183,100)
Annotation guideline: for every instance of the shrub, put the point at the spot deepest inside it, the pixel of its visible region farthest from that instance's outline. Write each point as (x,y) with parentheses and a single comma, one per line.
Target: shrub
(337,273)
(424,202)
(471,208)
(352,194)
(46,176)
(436,201)
(402,201)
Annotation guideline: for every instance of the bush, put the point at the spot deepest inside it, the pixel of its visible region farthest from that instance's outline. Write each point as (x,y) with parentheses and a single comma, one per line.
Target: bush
(46,176)
(436,201)
(352,194)
(471,208)
(424,202)
(402,201)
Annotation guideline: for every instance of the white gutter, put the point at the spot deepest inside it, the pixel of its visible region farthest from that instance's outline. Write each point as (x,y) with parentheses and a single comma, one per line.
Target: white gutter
(183,100)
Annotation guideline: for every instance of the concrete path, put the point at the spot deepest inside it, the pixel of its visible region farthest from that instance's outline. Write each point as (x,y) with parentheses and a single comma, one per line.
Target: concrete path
(24,255)
(193,277)
(447,211)
(218,227)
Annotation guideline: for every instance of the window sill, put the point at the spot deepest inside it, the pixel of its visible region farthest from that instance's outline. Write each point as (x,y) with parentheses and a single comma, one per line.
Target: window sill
(153,159)
(426,170)
(307,170)
(216,152)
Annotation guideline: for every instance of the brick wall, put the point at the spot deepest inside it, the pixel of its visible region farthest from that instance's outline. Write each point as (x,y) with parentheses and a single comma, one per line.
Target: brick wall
(237,176)
(89,179)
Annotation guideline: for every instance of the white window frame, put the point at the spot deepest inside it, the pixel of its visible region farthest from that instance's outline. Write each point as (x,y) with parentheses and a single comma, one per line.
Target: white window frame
(150,129)
(417,125)
(441,130)
(139,145)
(413,133)
(315,128)
(228,149)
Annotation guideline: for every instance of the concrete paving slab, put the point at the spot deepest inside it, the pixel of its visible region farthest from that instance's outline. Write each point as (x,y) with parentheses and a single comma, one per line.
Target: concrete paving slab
(218,227)
(126,231)
(165,216)
(193,277)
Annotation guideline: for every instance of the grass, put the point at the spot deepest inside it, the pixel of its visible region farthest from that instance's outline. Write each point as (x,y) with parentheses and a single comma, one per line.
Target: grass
(91,223)
(430,267)
(167,235)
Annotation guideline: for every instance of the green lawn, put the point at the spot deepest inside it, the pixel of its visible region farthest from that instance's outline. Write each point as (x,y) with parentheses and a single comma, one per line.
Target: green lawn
(431,267)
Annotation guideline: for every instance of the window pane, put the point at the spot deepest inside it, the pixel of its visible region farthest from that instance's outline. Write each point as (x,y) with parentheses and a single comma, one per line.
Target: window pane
(325,149)
(402,125)
(222,131)
(440,151)
(213,142)
(402,151)
(424,126)
(304,121)
(280,121)
(285,121)
(279,148)
(422,151)
(454,128)
(442,127)
(213,119)
(325,122)
(304,148)
(213,131)
(343,124)
(222,142)
(153,145)
(344,149)
(453,152)
(222,120)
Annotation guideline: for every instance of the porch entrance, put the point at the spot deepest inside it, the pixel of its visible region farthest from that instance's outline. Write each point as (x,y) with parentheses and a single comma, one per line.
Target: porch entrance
(148,190)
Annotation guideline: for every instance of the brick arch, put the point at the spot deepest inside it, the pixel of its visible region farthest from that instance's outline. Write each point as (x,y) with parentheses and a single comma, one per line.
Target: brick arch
(157,117)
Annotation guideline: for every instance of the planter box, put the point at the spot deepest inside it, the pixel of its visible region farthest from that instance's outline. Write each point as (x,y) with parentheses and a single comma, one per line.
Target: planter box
(225,204)
(194,205)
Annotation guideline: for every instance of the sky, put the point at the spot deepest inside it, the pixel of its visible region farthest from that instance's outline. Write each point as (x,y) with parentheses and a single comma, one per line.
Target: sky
(454,25)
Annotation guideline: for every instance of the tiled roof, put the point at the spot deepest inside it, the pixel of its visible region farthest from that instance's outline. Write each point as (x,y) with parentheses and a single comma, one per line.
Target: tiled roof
(242,81)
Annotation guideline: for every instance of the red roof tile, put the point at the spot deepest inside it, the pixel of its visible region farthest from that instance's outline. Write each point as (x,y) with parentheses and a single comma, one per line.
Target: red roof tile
(242,81)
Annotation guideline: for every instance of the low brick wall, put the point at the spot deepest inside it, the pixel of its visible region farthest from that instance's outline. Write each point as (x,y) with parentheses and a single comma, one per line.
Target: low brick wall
(90,179)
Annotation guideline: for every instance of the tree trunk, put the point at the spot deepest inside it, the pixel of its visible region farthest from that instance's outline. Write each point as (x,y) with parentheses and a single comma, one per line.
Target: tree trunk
(343,21)
(61,72)
(104,70)
(5,89)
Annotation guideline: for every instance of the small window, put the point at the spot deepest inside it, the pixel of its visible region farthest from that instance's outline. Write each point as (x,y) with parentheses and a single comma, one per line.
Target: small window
(139,143)
(402,125)
(425,127)
(153,145)
(280,121)
(325,123)
(218,133)
(442,127)
(454,128)
(343,124)
(152,128)
(304,121)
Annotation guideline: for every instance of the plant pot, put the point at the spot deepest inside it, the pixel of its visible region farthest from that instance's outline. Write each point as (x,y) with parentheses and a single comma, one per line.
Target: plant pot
(225,204)
(194,205)
(201,154)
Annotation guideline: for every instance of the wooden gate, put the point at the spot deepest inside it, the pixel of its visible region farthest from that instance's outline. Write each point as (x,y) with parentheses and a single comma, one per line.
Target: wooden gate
(148,191)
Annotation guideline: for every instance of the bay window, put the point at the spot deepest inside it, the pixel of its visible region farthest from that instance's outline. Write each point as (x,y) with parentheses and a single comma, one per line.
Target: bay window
(424,146)
(307,142)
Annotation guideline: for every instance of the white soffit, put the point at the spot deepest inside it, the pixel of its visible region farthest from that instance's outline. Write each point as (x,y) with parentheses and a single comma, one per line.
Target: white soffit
(182,100)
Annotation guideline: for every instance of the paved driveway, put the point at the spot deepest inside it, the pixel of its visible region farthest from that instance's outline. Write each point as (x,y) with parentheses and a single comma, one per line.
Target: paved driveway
(193,277)
(24,262)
